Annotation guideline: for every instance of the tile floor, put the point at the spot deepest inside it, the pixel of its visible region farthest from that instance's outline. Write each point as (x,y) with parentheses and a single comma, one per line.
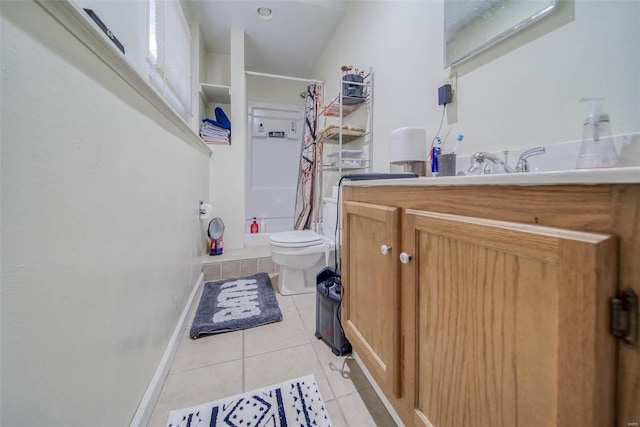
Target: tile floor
(218,366)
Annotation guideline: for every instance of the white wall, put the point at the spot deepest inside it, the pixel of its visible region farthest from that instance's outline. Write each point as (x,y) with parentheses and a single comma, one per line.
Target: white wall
(128,22)
(218,69)
(521,93)
(100,231)
(274,90)
(198,51)
(227,162)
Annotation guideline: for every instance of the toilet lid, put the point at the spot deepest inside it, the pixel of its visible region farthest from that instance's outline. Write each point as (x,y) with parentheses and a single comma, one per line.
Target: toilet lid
(298,238)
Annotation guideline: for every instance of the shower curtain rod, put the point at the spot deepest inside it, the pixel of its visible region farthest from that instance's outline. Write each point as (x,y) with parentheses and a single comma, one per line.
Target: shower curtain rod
(276,76)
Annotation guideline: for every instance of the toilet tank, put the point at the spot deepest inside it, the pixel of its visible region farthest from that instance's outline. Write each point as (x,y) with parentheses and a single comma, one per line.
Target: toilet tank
(329,217)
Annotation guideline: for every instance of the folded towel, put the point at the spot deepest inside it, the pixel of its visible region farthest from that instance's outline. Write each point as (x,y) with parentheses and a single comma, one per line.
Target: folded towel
(221,120)
(208,129)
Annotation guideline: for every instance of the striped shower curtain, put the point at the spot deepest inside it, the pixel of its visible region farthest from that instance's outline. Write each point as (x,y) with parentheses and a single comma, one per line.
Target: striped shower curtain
(308,194)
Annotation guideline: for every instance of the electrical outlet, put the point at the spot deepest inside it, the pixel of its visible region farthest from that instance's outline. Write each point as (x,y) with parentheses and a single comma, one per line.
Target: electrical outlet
(453,81)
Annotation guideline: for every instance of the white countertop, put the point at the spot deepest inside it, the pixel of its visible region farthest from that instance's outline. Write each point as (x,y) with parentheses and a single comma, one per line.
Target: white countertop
(625,175)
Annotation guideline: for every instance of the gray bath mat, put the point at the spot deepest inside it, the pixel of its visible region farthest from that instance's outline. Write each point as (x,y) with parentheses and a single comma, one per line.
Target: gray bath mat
(234,304)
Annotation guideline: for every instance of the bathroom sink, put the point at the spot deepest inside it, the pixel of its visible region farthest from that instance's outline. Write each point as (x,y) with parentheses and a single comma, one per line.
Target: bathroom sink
(623,175)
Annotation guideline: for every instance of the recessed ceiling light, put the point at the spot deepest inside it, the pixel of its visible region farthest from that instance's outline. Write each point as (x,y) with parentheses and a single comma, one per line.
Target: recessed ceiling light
(264,13)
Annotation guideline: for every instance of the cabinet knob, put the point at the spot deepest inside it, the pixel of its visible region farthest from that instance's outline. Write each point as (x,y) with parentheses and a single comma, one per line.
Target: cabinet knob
(385,249)
(405,257)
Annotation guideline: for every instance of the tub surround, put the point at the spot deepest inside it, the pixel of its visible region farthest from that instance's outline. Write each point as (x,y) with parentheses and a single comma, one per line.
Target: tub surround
(257,239)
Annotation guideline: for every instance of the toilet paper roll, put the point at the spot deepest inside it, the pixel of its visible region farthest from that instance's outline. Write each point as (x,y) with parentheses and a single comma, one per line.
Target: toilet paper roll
(205,211)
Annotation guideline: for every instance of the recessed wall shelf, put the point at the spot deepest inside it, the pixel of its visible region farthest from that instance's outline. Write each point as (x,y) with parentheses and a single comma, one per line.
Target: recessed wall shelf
(217,94)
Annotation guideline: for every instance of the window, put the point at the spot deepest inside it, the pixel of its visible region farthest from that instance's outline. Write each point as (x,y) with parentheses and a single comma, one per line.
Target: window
(170,53)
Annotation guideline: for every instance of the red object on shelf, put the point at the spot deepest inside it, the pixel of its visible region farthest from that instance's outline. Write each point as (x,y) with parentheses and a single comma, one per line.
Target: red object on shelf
(255,228)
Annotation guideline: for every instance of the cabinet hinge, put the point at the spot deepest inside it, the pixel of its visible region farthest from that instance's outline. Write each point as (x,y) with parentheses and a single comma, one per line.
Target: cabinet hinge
(624,317)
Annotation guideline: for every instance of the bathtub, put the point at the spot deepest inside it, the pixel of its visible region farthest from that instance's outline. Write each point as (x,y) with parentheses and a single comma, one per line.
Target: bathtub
(272,225)
(256,239)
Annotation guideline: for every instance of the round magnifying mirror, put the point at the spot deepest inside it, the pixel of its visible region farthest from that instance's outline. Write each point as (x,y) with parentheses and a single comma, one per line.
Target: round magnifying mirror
(216,228)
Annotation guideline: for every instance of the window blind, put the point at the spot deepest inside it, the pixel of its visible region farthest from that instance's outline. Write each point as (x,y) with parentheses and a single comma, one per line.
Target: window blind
(170,53)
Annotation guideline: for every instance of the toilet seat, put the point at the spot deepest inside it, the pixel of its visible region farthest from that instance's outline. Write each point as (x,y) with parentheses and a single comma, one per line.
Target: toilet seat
(296,239)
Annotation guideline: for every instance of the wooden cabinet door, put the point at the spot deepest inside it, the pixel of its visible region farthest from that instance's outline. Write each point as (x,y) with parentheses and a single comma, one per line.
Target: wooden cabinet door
(511,323)
(370,303)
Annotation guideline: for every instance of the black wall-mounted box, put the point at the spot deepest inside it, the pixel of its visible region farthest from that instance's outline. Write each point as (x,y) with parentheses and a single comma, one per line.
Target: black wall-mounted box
(104,28)
(444,94)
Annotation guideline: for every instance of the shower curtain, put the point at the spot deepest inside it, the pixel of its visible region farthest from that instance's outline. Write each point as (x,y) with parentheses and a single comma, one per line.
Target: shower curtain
(309,183)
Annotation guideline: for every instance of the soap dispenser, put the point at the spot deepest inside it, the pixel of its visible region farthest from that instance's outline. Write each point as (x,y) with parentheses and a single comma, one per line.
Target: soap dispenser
(597,149)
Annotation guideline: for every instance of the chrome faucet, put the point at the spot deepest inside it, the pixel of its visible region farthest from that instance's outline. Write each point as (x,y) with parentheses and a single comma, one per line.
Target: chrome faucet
(523,164)
(481,162)
(480,166)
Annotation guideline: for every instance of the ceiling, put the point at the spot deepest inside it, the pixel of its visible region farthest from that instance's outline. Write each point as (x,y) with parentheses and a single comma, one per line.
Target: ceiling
(287,44)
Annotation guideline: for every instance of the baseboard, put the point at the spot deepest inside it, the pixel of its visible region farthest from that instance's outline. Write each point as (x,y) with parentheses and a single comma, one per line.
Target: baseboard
(148,403)
(378,391)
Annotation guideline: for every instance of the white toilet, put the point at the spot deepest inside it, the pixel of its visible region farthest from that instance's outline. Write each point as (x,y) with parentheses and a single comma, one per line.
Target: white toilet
(301,254)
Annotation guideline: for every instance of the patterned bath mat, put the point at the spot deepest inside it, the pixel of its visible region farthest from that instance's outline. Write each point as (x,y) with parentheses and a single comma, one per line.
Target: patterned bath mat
(292,403)
(234,304)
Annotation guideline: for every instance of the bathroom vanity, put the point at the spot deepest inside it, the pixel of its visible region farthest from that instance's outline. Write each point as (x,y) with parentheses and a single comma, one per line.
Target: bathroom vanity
(488,300)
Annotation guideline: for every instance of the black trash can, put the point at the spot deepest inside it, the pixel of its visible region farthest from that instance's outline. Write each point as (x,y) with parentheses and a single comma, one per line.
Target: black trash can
(328,299)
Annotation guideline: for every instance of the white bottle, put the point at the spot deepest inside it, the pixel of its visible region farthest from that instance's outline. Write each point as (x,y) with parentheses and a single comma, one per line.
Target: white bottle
(263,225)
